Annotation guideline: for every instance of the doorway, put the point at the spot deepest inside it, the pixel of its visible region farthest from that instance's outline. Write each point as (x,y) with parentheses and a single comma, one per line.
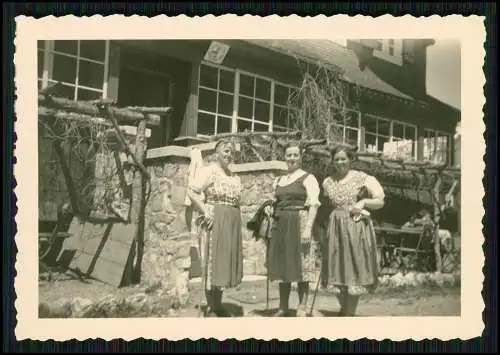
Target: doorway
(140,86)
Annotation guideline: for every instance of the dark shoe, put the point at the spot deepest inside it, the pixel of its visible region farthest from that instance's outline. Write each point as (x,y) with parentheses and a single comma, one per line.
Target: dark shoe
(222,312)
(281,313)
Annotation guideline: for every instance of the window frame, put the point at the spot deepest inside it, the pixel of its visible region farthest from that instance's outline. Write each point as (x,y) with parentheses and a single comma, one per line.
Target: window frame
(236,98)
(49,53)
(391,135)
(434,138)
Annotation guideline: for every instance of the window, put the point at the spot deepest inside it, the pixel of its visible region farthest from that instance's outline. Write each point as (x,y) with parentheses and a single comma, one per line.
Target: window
(390,50)
(437,145)
(81,66)
(350,127)
(235,101)
(390,137)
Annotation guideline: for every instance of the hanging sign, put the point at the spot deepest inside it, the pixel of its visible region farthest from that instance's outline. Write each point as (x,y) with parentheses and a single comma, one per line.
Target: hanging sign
(216,52)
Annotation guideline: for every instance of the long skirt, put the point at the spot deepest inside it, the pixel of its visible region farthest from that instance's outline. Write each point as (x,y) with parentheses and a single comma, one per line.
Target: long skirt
(351,258)
(225,248)
(290,257)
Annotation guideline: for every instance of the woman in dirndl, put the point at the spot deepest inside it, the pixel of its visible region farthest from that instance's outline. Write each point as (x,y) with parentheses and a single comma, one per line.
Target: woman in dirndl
(221,243)
(351,257)
(292,249)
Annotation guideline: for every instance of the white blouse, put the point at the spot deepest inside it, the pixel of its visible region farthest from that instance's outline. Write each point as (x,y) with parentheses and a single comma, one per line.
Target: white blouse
(310,183)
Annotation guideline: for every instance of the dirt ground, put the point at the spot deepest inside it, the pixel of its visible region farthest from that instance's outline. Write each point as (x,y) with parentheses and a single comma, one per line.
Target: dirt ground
(250,299)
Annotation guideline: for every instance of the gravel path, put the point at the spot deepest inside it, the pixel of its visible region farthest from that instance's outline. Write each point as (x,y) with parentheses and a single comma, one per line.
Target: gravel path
(250,299)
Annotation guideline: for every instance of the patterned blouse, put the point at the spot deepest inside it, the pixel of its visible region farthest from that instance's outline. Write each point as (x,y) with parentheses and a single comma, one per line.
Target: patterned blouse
(345,192)
(217,187)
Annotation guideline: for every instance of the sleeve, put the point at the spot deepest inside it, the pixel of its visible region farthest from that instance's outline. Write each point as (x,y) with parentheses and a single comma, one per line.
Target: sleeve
(325,187)
(313,191)
(374,188)
(201,180)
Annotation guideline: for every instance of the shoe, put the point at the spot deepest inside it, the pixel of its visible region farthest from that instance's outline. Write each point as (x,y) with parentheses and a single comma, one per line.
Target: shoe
(280,313)
(301,311)
(222,312)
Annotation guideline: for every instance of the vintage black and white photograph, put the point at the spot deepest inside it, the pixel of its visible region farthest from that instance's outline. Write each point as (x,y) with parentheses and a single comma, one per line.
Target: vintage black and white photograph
(251,178)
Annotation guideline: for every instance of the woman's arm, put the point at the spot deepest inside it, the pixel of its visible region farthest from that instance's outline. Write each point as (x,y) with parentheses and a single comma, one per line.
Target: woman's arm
(376,191)
(313,191)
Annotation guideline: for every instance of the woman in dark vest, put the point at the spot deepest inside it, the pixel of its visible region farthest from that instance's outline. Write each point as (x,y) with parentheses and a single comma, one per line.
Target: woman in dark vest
(292,249)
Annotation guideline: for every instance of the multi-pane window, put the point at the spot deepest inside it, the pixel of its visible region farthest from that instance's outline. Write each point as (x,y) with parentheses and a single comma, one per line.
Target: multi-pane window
(215,100)
(349,128)
(80,66)
(437,145)
(283,117)
(236,101)
(389,137)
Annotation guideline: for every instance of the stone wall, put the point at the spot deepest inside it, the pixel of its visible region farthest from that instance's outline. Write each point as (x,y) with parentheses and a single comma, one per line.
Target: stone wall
(167,240)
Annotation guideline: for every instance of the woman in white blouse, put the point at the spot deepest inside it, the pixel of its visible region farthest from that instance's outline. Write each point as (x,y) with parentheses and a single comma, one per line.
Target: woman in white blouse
(292,250)
(221,234)
(351,257)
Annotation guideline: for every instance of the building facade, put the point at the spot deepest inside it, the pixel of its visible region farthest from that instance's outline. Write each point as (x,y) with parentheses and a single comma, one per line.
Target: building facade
(236,85)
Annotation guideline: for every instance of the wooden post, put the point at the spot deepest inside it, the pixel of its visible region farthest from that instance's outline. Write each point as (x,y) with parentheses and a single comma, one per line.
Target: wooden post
(437,215)
(73,195)
(138,201)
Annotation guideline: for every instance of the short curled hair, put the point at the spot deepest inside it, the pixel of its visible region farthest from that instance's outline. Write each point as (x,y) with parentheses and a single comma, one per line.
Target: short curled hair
(350,151)
(294,144)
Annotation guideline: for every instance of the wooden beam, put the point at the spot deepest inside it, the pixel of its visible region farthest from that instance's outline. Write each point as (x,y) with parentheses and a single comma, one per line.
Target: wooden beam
(437,217)
(138,200)
(73,195)
(90,108)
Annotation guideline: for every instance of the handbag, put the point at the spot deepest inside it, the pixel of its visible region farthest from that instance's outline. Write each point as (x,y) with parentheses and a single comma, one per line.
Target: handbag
(265,227)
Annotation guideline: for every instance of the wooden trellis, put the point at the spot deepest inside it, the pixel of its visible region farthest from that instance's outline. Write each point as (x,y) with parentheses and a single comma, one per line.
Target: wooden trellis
(54,113)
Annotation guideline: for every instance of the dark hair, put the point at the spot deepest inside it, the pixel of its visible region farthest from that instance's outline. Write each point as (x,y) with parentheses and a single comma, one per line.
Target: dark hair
(350,151)
(294,144)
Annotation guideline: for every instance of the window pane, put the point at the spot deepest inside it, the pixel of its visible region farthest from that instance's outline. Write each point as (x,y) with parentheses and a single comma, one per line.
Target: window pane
(263,90)
(382,143)
(64,69)
(262,112)
(384,127)
(223,125)
(351,119)
(280,94)
(226,81)
(246,85)
(370,142)
(206,123)
(70,47)
(259,127)
(208,76)
(225,104)
(245,108)
(370,124)
(65,91)
(244,125)
(351,136)
(91,74)
(410,132)
(398,130)
(93,50)
(88,94)
(40,63)
(280,116)
(207,100)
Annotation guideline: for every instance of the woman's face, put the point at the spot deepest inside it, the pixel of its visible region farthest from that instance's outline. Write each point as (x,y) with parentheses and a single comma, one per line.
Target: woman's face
(341,161)
(225,153)
(293,158)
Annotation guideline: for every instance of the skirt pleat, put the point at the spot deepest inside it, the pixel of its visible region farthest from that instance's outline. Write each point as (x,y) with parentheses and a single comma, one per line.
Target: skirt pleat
(225,248)
(352,252)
